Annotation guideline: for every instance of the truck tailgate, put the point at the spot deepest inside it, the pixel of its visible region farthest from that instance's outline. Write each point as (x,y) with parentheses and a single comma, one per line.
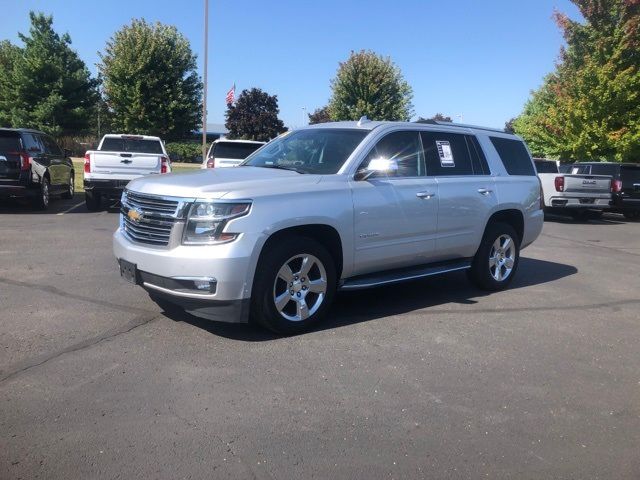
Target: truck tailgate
(589,184)
(125,163)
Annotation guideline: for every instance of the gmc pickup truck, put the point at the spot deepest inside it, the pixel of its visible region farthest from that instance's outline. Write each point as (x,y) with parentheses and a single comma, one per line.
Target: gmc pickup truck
(333,206)
(118,160)
(575,194)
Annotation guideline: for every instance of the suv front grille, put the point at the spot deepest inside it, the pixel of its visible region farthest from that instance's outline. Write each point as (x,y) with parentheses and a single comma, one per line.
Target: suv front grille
(147,230)
(150,218)
(151,204)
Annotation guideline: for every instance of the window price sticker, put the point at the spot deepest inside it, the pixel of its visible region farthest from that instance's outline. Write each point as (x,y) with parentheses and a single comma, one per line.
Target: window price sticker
(445,153)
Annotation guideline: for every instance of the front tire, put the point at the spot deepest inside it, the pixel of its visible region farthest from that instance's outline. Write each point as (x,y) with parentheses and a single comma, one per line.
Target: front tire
(294,286)
(71,188)
(41,202)
(496,261)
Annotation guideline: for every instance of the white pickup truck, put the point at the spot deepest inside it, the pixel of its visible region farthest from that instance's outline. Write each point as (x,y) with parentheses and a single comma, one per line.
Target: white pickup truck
(577,195)
(119,159)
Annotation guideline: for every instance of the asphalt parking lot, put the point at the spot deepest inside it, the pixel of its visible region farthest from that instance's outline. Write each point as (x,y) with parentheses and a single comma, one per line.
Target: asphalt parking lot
(430,379)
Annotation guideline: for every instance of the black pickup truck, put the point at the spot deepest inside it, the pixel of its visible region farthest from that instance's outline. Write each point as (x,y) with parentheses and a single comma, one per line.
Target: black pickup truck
(33,166)
(625,186)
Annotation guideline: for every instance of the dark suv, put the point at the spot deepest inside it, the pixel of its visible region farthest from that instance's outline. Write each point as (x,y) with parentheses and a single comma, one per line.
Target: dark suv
(32,165)
(625,186)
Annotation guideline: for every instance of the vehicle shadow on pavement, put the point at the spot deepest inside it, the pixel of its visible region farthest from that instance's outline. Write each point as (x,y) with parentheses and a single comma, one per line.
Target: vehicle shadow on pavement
(366,305)
(15,206)
(607,219)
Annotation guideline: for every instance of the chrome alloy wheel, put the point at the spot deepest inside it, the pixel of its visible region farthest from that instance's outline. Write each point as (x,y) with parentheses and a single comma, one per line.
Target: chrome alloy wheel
(72,186)
(45,193)
(300,287)
(502,258)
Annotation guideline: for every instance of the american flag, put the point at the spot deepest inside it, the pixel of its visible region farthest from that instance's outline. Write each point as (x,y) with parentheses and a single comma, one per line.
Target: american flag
(231,94)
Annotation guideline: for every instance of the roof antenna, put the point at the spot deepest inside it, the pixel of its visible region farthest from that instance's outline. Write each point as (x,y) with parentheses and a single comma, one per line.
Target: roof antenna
(363,120)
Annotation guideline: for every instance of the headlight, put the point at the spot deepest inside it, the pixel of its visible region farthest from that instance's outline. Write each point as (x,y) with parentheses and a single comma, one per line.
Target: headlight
(207,221)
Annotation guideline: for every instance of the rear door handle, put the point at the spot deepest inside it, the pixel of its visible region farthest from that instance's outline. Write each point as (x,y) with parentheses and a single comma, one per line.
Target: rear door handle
(484,191)
(425,195)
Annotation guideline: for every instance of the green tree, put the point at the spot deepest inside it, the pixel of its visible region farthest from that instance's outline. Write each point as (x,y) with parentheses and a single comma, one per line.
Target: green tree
(589,108)
(150,81)
(438,117)
(46,85)
(254,116)
(319,115)
(372,85)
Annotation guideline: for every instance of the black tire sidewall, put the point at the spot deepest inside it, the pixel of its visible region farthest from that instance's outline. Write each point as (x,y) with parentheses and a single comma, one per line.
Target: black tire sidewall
(480,273)
(92,201)
(263,309)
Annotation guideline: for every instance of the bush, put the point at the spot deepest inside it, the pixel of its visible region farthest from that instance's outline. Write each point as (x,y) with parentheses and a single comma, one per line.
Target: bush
(184,151)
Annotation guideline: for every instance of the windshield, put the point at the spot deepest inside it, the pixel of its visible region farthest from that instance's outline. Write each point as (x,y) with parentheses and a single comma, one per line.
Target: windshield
(234,150)
(321,151)
(134,145)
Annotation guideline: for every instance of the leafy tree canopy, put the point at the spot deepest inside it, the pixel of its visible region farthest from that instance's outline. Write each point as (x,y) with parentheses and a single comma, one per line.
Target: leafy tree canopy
(45,85)
(372,85)
(150,81)
(589,108)
(254,116)
(438,117)
(320,115)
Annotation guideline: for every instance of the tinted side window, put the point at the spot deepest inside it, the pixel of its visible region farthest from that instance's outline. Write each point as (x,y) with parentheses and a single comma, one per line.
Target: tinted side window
(446,154)
(544,166)
(604,169)
(50,146)
(514,156)
(31,143)
(404,148)
(480,165)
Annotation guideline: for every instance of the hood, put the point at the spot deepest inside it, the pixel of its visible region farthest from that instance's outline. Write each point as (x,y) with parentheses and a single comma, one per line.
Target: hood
(217,182)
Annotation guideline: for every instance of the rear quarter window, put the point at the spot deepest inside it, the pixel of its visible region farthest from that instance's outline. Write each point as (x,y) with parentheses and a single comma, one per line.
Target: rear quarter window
(514,156)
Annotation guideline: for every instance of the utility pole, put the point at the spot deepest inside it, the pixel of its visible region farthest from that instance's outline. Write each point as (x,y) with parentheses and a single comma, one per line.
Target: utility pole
(204,98)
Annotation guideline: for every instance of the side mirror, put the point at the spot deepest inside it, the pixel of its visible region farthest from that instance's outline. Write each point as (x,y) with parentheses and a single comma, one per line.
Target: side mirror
(377,166)
(67,152)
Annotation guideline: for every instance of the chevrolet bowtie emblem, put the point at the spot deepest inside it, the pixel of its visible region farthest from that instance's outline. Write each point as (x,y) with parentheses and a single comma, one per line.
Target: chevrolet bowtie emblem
(134,215)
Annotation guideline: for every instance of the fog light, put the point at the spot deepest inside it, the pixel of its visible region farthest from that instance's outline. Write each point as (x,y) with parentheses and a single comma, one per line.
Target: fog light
(202,285)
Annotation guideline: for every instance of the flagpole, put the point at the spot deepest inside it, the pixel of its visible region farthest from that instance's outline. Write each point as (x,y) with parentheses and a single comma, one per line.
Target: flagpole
(204,98)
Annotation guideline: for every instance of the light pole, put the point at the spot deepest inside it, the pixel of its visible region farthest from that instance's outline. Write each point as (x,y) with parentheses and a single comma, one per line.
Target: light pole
(204,98)
(304,114)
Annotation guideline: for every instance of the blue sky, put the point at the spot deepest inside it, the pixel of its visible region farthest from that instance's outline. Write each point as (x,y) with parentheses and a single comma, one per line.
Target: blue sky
(478,60)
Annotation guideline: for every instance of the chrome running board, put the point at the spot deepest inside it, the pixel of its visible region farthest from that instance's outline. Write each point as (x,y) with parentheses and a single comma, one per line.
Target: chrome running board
(404,274)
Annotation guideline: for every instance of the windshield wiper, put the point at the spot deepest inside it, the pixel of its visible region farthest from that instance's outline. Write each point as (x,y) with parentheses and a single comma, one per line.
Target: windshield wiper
(281,167)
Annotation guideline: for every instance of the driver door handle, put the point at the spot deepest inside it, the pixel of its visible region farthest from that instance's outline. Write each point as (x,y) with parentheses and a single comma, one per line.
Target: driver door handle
(484,191)
(425,195)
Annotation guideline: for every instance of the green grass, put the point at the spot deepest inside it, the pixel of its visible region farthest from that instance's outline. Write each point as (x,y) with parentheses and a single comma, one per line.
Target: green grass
(78,166)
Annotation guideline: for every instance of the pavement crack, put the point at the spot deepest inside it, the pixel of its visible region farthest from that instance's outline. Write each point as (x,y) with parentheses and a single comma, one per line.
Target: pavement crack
(73,296)
(21,367)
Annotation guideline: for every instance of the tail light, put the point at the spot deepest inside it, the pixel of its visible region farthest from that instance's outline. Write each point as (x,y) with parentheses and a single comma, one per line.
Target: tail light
(25,161)
(87,163)
(211,162)
(164,165)
(616,185)
(559,184)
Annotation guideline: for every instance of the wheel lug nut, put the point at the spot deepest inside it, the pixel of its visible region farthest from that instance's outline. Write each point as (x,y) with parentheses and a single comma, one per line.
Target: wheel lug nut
(295,277)
(291,292)
(304,287)
(302,279)
(298,293)
(291,284)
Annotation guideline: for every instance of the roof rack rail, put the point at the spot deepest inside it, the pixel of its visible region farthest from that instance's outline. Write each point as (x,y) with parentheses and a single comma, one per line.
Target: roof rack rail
(430,121)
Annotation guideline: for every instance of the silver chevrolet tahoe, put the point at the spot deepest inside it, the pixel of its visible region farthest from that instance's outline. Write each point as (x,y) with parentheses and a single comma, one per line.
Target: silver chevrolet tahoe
(337,206)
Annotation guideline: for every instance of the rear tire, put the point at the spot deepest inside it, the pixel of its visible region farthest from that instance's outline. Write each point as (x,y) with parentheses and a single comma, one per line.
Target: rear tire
(92,201)
(41,201)
(496,261)
(294,286)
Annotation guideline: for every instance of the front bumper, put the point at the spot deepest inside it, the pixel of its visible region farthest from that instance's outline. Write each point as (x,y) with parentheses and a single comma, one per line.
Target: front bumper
(159,268)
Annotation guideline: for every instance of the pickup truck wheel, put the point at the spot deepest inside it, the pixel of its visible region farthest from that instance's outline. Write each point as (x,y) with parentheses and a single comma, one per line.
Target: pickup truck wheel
(497,258)
(41,201)
(92,200)
(71,188)
(294,286)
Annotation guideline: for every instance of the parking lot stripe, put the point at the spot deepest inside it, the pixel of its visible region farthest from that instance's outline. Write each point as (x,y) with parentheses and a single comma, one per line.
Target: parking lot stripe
(70,209)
